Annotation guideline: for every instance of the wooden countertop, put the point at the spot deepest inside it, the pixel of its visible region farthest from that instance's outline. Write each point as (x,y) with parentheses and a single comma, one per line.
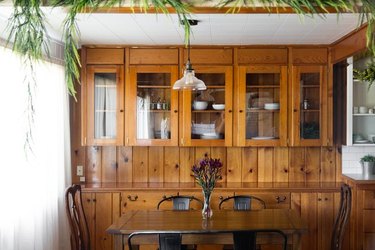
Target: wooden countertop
(247,186)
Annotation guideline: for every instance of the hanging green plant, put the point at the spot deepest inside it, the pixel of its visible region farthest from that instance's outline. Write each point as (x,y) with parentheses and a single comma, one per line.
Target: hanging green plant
(366,75)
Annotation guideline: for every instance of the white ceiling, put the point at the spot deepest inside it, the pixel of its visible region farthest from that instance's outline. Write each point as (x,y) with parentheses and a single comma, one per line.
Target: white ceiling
(213,29)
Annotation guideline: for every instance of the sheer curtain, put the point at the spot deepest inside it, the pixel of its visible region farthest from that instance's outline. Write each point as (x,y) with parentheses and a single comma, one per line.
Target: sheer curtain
(105,101)
(32,214)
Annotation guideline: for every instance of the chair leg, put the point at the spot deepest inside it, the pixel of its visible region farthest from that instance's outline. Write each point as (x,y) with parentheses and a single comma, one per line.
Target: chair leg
(170,241)
(244,240)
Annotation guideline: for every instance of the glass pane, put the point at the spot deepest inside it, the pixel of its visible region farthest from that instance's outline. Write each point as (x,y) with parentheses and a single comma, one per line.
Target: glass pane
(310,103)
(212,79)
(153,79)
(207,114)
(153,106)
(262,106)
(105,105)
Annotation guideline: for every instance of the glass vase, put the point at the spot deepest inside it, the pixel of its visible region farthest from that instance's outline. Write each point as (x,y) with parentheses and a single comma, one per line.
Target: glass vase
(207,211)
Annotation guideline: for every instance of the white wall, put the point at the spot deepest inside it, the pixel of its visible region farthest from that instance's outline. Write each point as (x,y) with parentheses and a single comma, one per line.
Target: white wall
(351,157)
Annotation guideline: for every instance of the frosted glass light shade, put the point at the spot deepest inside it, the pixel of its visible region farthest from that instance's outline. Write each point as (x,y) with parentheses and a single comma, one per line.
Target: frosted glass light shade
(189,81)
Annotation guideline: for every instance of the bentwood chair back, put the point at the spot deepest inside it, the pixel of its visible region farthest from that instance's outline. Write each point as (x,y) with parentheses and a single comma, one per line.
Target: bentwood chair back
(243,202)
(180,202)
(342,217)
(80,236)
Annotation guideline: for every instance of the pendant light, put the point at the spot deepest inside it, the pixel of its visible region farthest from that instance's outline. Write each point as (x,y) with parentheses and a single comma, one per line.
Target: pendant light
(189,81)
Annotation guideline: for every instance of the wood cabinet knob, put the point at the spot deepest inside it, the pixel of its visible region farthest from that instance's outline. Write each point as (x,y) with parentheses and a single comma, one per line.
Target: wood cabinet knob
(176,111)
(121,110)
(230,111)
(241,110)
(88,200)
(132,198)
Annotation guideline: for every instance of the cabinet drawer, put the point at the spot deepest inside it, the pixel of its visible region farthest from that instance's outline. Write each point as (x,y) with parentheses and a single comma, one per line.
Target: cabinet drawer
(369,199)
(149,200)
(369,221)
(272,200)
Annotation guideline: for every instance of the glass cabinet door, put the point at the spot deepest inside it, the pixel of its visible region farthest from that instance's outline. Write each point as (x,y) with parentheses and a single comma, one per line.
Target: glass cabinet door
(155,106)
(105,105)
(262,106)
(308,109)
(207,116)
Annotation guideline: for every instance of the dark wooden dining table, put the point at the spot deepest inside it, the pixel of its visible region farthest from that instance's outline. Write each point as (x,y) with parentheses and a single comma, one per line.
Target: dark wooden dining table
(195,230)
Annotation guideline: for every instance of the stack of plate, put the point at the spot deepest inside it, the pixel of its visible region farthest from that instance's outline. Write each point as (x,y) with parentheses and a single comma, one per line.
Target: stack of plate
(272,106)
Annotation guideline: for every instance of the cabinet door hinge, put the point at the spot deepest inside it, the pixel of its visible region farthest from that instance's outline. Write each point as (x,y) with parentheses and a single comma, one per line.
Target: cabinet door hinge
(85,140)
(127,141)
(182,141)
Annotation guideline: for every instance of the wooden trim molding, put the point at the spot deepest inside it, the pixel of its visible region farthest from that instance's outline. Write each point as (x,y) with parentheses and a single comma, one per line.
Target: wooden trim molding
(349,45)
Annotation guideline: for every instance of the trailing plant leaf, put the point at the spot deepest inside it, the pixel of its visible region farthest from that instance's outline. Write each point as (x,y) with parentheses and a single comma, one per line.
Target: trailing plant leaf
(29,36)
(365,9)
(71,31)
(366,75)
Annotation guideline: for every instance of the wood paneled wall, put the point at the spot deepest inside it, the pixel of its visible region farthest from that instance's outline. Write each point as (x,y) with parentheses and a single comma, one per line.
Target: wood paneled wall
(241,164)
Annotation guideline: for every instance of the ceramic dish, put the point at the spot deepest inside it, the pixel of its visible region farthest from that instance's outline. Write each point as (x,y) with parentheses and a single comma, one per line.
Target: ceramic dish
(271,106)
(362,141)
(218,106)
(200,105)
(210,136)
(263,137)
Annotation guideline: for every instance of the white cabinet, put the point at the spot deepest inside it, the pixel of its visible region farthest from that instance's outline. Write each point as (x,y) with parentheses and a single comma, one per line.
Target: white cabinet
(360,107)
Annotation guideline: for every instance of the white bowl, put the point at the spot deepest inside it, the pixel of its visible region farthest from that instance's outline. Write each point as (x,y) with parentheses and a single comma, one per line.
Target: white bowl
(218,106)
(200,105)
(271,106)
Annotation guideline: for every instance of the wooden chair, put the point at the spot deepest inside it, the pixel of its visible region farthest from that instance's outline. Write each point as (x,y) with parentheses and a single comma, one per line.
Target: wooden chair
(342,217)
(80,236)
(243,202)
(180,202)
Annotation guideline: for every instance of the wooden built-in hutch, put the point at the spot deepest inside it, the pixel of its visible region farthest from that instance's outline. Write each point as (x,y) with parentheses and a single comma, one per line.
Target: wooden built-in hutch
(283,154)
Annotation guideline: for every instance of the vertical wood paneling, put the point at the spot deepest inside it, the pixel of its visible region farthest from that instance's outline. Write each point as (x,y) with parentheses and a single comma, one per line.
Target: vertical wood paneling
(281,166)
(93,169)
(265,164)
(155,164)
(221,153)
(171,164)
(78,152)
(241,164)
(328,165)
(109,165)
(125,164)
(201,152)
(140,164)
(187,160)
(296,164)
(234,164)
(249,165)
(312,164)
(338,164)
(309,214)
(326,219)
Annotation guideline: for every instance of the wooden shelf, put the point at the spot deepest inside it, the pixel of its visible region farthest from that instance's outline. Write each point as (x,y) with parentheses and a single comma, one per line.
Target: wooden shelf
(154,111)
(207,111)
(153,87)
(364,115)
(262,86)
(215,87)
(311,86)
(262,110)
(310,110)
